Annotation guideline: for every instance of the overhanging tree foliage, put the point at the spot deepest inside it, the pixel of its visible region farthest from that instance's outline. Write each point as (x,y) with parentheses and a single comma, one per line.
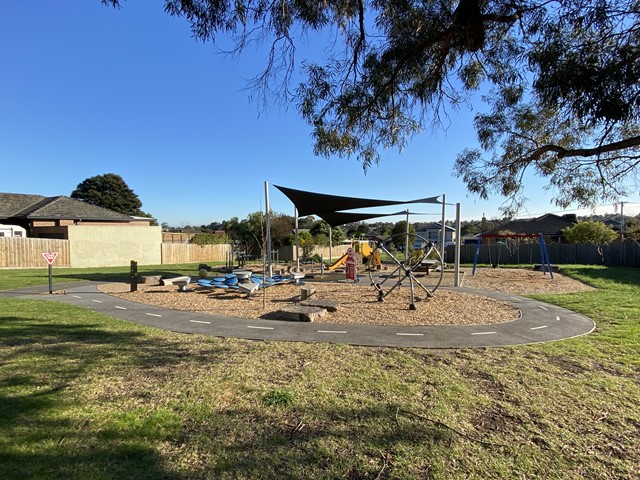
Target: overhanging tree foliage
(559,80)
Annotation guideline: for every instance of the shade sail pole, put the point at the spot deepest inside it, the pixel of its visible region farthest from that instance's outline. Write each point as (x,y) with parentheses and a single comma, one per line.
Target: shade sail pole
(295,215)
(406,238)
(443,231)
(456,265)
(268,228)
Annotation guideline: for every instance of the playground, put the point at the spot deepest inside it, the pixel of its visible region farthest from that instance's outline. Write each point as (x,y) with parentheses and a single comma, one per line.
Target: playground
(358,302)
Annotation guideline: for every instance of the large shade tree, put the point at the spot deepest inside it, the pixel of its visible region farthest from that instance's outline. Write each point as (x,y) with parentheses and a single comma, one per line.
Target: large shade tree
(558,79)
(109,191)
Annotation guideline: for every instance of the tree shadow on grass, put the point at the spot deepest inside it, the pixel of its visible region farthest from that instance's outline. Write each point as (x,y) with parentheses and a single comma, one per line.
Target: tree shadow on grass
(333,442)
(619,275)
(44,359)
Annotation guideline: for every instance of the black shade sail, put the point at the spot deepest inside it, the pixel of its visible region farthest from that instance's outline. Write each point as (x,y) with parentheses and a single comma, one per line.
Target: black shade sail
(310,203)
(336,219)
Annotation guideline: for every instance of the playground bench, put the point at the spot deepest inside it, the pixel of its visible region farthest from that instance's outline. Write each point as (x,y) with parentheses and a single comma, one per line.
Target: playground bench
(180,282)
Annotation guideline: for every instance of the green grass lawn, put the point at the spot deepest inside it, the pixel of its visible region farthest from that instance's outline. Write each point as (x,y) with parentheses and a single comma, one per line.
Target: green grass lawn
(29,277)
(83,396)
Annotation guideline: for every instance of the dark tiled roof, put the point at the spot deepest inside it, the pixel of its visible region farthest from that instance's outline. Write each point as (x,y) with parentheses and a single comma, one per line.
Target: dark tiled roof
(61,207)
(548,224)
(13,203)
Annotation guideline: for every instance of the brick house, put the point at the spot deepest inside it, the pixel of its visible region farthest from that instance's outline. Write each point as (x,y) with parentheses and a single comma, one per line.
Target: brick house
(50,217)
(549,225)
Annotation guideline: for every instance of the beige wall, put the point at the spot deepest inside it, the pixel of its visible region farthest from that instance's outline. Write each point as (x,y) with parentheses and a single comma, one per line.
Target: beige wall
(114,245)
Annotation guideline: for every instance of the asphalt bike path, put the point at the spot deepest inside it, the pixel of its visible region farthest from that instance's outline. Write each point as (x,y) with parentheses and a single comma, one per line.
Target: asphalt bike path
(539,322)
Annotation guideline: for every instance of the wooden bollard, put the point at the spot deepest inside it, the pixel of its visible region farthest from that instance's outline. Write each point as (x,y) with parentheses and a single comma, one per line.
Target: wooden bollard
(306,293)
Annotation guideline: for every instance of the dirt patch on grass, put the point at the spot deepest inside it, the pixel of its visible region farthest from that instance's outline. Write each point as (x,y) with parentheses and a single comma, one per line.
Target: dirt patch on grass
(359,302)
(522,282)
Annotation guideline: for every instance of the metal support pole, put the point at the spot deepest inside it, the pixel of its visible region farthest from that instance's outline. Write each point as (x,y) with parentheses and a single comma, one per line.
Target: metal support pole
(406,240)
(268,228)
(295,215)
(456,263)
(50,279)
(443,231)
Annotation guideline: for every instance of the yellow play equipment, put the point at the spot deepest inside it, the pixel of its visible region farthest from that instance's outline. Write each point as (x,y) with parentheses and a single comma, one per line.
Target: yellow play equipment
(362,247)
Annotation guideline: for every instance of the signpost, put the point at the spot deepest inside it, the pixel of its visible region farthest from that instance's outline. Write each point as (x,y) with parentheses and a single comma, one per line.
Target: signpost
(50,258)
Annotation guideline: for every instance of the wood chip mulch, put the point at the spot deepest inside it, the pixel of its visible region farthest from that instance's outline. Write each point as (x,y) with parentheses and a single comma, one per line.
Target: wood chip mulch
(359,302)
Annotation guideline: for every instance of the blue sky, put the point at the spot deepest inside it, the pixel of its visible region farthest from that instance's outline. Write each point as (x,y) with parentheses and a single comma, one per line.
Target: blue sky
(87,90)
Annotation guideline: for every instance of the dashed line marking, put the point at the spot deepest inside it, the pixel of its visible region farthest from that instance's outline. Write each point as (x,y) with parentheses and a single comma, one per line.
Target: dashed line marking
(332,331)
(544,308)
(410,334)
(260,328)
(76,296)
(483,333)
(557,317)
(119,307)
(97,301)
(153,314)
(538,328)
(515,299)
(200,321)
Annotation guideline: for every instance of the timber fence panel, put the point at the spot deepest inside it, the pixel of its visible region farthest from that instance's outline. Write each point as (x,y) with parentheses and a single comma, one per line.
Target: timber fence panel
(288,252)
(27,252)
(190,253)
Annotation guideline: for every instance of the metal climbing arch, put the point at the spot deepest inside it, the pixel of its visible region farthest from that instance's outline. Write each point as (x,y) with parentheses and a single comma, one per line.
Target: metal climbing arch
(413,257)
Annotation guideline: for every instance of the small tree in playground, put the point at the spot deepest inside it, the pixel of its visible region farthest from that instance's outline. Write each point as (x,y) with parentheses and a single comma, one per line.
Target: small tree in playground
(307,243)
(596,233)
(320,227)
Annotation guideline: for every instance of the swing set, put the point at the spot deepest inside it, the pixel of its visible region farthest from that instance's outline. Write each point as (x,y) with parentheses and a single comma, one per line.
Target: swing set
(544,253)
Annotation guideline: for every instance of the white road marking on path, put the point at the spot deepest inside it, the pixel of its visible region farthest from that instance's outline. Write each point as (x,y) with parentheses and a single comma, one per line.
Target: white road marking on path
(410,334)
(557,317)
(119,307)
(544,308)
(200,321)
(483,333)
(538,328)
(332,331)
(153,314)
(260,328)
(76,296)
(97,301)
(514,298)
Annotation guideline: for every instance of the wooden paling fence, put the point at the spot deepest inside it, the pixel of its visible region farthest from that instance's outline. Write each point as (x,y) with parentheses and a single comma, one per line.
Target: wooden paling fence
(27,252)
(190,253)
